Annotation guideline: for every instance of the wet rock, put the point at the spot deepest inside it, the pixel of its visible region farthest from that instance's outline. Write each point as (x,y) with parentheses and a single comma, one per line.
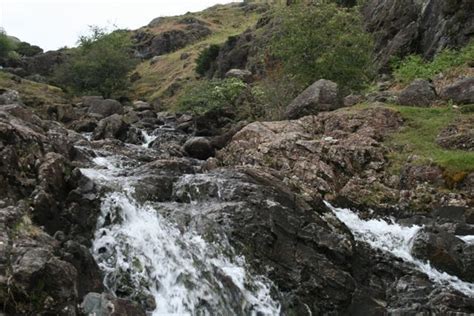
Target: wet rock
(323,95)
(107,305)
(199,148)
(84,125)
(111,127)
(141,106)
(460,92)
(105,108)
(445,252)
(418,93)
(242,74)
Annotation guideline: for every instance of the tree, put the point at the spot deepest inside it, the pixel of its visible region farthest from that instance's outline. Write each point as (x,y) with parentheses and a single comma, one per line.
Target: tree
(28,50)
(100,65)
(7,45)
(205,59)
(322,40)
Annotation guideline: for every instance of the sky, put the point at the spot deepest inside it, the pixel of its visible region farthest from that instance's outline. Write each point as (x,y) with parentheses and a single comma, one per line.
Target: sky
(52,24)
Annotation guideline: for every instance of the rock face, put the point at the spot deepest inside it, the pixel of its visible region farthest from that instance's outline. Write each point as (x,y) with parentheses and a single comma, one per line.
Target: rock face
(188,31)
(418,93)
(323,95)
(460,92)
(41,188)
(403,27)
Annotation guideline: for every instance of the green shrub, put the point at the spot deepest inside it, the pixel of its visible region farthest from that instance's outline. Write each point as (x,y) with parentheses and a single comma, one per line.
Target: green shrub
(7,45)
(212,94)
(468,108)
(414,66)
(100,65)
(323,40)
(28,50)
(205,59)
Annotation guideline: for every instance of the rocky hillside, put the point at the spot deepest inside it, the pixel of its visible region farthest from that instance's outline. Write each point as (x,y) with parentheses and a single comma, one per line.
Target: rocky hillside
(238,191)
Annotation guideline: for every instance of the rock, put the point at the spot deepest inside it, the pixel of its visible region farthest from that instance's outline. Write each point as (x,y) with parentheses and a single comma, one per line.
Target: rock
(8,96)
(111,127)
(105,108)
(199,148)
(323,95)
(459,135)
(418,93)
(141,106)
(84,125)
(404,27)
(184,56)
(460,92)
(445,252)
(107,305)
(242,74)
(353,99)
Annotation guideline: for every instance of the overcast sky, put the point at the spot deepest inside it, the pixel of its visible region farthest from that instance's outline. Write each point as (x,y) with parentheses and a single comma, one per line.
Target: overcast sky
(52,24)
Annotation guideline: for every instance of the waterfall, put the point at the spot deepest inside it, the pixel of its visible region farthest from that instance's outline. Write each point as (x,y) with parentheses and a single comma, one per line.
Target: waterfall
(397,240)
(143,253)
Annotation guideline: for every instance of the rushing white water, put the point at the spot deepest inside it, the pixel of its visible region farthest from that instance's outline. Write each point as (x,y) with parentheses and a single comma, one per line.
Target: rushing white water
(467,239)
(140,251)
(148,138)
(397,240)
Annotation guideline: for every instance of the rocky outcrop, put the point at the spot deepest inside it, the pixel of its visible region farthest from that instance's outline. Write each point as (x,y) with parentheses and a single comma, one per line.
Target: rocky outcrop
(418,93)
(460,92)
(459,135)
(403,27)
(42,195)
(323,95)
(103,108)
(187,31)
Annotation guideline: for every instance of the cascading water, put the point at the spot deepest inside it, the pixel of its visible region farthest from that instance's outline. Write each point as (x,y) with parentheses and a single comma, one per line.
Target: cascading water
(143,253)
(397,240)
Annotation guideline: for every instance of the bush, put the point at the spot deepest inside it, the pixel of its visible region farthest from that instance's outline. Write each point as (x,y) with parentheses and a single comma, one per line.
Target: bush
(28,50)
(7,45)
(205,59)
(100,65)
(323,40)
(414,66)
(212,94)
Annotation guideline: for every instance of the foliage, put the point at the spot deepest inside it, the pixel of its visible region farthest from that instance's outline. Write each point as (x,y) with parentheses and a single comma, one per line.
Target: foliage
(414,66)
(212,94)
(205,59)
(323,40)
(28,50)
(100,65)
(7,45)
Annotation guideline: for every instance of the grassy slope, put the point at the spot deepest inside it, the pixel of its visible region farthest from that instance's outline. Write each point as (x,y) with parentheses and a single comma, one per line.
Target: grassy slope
(224,21)
(33,94)
(417,138)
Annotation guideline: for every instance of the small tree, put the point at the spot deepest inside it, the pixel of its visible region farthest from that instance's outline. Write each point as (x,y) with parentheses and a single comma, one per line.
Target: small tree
(7,45)
(205,59)
(100,65)
(322,40)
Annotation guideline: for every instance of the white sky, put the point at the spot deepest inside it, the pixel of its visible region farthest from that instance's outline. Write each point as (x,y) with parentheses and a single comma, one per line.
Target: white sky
(52,24)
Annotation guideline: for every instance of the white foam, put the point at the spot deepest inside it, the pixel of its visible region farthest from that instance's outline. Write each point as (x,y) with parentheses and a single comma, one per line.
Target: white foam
(397,240)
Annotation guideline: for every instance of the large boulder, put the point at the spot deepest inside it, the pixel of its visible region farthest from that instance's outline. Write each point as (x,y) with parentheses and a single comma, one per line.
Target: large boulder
(418,93)
(461,92)
(104,108)
(108,305)
(323,95)
(199,148)
(111,127)
(446,252)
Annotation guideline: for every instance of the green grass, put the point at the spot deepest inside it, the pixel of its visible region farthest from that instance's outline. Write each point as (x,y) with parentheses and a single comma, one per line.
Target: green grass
(33,94)
(418,137)
(224,21)
(414,66)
